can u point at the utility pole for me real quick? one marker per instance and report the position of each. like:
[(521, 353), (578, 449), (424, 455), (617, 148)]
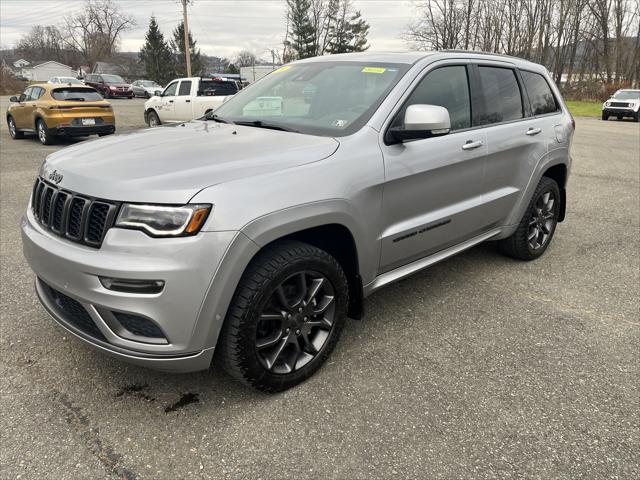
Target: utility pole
[(187, 47)]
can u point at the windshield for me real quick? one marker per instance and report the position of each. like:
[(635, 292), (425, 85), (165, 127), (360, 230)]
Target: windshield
[(148, 83), (319, 98), (76, 94), (112, 79), (627, 95)]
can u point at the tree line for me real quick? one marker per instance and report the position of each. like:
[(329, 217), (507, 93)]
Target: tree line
[(579, 41)]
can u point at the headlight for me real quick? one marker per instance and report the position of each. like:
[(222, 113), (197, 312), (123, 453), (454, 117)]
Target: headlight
[(112, 87), (163, 221), (606, 104)]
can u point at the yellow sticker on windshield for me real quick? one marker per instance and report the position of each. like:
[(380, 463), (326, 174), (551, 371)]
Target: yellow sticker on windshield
[(282, 69), (373, 70)]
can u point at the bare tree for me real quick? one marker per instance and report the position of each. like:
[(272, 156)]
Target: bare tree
[(245, 59), (95, 31)]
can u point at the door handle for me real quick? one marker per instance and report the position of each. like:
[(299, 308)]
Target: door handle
[(470, 145), (170, 101), (534, 131), (187, 101)]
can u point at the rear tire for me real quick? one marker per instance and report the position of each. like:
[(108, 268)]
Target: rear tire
[(42, 131), (13, 130), (285, 317), (537, 225)]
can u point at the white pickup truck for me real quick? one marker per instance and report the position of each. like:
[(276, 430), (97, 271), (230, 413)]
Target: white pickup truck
[(184, 99)]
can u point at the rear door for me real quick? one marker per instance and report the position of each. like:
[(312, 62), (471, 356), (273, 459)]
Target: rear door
[(183, 104), (433, 187), (166, 109), (515, 141)]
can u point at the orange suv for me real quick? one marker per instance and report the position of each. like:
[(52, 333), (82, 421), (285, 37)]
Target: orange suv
[(52, 110)]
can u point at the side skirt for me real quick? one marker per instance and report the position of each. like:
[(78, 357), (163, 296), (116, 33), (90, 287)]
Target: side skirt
[(413, 267)]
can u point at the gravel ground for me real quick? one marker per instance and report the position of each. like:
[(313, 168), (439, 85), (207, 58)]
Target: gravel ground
[(479, 367)]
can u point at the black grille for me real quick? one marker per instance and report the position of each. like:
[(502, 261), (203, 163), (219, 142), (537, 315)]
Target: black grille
[(74, 313), (138, 325), (619, 104), (78, 218)]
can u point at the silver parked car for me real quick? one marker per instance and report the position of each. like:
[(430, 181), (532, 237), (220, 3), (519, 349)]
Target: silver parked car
[(145, 88), (258, 229)]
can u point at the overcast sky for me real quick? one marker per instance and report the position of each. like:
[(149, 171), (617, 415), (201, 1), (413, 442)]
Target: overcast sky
[(221, 27)]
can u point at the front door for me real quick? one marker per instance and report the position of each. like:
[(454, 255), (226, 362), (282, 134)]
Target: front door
[(167, 107), (20, 111), (433, 187)]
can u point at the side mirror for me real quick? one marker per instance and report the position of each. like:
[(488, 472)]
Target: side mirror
[(158, 93), (422, 121), (13, 99)]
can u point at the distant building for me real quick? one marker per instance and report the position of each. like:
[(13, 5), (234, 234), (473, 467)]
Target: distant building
[(21, 63), (42, 72), (256, 72)]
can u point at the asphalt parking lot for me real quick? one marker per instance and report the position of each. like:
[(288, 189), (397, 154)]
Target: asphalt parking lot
[(479, 367)]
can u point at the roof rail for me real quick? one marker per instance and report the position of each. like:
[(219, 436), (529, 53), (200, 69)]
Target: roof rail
[(479, 52)]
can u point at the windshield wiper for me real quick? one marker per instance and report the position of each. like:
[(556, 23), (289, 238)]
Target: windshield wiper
[(271, 126), (216, 118)]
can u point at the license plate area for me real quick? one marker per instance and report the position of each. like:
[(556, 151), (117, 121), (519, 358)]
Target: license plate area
[(88, 121)]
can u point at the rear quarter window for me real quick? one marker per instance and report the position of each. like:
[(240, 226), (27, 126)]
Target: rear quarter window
[(75, 94), (540, 95)]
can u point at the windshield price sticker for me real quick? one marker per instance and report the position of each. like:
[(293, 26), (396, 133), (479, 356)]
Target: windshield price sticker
[(373, 70)]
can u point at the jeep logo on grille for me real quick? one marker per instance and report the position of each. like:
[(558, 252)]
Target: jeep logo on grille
[(55, 177)]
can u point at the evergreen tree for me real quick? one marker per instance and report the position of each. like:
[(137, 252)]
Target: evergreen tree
[(177, 46), (347, 34), (301, 31), (156, 56)]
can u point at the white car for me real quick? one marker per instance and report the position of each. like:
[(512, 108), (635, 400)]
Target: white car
[(66, 80), (623, 103), (145, 88), (187, 98)]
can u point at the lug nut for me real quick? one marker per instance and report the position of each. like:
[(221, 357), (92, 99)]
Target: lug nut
[(289, 315), (297, 332), (300, 309), (286, 331), (306, 319)]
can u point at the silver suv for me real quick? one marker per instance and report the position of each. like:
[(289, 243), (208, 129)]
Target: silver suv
[(256, 230)]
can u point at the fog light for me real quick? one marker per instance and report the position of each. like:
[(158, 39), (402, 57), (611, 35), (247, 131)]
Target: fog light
[(132, 286)]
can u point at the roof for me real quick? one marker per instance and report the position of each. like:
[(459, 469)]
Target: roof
[(50, 61), (49, 86), (378, 57), (410, 58)]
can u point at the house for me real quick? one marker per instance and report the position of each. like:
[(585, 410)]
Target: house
[(21, 63), (42, 72)]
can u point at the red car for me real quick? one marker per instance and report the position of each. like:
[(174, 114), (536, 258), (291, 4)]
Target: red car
[(110, 86)]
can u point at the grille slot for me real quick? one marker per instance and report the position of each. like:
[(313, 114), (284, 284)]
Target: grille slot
[(619, 104), (74, 313), (138, 325), (78, 218)]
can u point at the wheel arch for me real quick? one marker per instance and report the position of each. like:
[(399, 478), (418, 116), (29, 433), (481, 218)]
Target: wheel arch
[(559, 173)]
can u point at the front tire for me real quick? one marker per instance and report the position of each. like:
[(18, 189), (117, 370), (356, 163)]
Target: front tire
[(285, 317), (13, 130), (153, 120), (605, 116), (537, 225), (44, 136)]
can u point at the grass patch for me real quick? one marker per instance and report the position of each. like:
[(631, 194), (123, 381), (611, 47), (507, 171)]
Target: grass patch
[(584, 109)]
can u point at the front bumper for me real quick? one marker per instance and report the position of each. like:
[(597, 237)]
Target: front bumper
[(181, 311), (623, 111)]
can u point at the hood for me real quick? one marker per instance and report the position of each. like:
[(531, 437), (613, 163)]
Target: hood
[(119, 85), (171, 164)]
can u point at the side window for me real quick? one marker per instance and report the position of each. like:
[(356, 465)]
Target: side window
[(26, 95), (170, 91), (447, 87), (503, 101), (540, 94), (37, 93), (185, 88)]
